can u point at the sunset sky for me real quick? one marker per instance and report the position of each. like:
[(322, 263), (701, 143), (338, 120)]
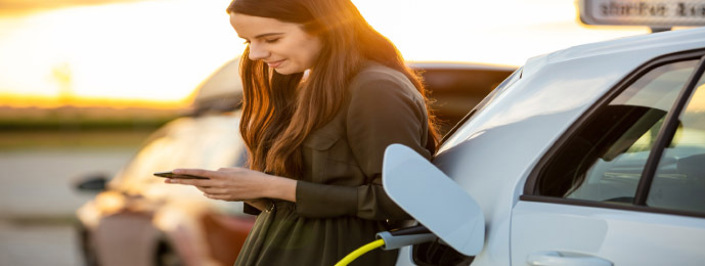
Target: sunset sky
[(155, 52)]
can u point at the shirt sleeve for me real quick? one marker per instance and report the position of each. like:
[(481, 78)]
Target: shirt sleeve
[(381, 112)]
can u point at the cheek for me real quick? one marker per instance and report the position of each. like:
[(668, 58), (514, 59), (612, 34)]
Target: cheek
[(312, 50)]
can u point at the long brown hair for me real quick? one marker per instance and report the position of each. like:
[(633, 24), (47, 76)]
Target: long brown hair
[(280, 111)]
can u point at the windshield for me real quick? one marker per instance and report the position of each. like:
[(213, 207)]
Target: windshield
[(458, 133), (207, 142)]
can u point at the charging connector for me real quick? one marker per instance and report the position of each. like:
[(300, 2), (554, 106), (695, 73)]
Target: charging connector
[(393, 239)]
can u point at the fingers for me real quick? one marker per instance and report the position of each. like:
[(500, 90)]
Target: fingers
[(206, 186), (213, 190), (233, 170), (211, 175), (197, 172), (222, 173), (230, 184), (218, 197), (215, 178), (194, 182)]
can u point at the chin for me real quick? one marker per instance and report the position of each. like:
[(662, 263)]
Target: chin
[(285, 71), (282, 71)]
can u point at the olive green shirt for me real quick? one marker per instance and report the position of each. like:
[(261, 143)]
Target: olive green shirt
[(340, 203)]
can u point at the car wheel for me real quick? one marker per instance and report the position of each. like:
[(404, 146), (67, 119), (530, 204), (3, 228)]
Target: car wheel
[(167, 256), (87, 250)]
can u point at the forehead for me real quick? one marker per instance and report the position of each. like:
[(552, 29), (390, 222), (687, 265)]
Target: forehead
[(248, 26)]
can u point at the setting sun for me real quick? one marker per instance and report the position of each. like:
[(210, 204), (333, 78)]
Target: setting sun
[(156, 52)]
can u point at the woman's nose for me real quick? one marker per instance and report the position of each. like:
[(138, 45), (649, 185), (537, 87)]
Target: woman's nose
[(257, 52)]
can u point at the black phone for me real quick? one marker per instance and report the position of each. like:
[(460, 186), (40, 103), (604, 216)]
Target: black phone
[(169, 174)]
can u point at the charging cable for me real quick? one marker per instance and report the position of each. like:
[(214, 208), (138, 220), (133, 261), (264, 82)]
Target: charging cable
[(392, 239), (360, 251)]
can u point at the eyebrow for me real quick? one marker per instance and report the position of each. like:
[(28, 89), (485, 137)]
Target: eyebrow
[(265, 35), (268, 34)]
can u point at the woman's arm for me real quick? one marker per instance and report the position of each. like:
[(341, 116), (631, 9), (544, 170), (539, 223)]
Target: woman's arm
[(239, 184)]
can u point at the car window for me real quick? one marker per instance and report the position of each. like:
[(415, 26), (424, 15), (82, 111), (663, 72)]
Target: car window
[(679, 183), (605, 157), (207, 142)]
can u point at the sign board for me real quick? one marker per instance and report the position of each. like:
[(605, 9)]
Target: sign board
[(653, 13)]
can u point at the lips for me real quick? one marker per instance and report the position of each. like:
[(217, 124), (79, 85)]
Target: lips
[(275, 64)]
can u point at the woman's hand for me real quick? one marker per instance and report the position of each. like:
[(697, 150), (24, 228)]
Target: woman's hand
[(238, 184)]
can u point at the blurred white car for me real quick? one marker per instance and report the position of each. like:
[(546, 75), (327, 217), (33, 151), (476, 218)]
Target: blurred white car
[(136, 219), (592, 155)]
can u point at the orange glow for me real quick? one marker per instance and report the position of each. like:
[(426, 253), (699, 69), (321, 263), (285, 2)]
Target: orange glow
[(110, 202), (154, 53), (136, 54), (43, 101), (505, 32)]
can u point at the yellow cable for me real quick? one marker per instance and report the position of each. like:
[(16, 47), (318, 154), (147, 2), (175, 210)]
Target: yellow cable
[(360, 251)]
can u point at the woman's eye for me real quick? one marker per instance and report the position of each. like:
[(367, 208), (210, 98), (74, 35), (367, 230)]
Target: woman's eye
[(271, 40)]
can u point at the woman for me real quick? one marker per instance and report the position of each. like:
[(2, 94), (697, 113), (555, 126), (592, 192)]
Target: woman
[(324, 95)]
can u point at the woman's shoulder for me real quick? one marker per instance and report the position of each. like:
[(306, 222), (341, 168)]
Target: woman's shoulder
[(373, 71), (374, 77)]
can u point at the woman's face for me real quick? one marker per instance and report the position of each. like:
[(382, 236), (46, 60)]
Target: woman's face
[(284, 46)]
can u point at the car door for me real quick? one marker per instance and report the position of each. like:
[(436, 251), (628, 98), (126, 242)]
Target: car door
[(625, 185)]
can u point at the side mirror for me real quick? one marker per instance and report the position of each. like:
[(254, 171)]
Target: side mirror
[(93, 183), (433, 199)]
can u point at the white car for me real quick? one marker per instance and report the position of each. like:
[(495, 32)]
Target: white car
[(592, 155)]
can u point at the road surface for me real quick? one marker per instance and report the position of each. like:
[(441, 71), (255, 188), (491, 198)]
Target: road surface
[(37, 201)]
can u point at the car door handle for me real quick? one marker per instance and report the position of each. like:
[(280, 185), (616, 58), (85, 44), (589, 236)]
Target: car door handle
[(563, 258)]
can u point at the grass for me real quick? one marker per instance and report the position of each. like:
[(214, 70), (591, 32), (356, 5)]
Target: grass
[(76, 132), (78, 123), (29, 221), (72, 139)]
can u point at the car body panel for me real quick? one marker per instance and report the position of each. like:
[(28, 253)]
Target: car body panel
[(140, 240), (492, 153), (140, 213), (620, 236)]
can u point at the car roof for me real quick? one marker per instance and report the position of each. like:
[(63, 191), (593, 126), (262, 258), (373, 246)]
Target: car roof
[(568, 81), (641, 48), (224, 80), (459, 65), (221, 91)]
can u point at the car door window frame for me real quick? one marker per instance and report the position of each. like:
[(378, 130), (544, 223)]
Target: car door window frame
[(531, 188), (665, 135)]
